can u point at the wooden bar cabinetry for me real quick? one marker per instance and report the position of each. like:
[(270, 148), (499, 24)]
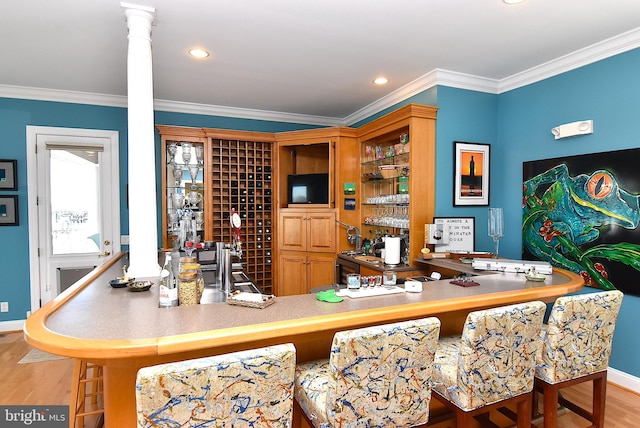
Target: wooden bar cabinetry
[(397, 167), (236, 174), (308, 234)]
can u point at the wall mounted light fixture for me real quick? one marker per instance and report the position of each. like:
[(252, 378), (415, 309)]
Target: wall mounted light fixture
[(572, 129)]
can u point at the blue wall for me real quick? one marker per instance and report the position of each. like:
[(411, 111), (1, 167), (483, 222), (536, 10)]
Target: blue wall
[(607, 92), (517, 124), (17, 114)]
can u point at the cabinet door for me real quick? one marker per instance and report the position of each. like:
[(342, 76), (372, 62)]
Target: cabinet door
[(293, 231), (322, 232), (293, 274), (321, 270)]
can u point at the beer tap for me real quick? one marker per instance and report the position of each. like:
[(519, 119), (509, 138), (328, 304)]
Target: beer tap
[(355, 238), (236, 222)]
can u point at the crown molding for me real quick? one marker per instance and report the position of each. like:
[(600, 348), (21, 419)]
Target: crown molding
[(243, 113), (596, 52), (433, 78), (62, 96)]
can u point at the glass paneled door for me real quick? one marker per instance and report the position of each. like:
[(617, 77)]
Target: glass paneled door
[(78, 206)]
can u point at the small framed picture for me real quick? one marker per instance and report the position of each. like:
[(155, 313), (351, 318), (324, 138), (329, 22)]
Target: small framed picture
[(9, 210), (462, 233), (8, 174), (471, 174)]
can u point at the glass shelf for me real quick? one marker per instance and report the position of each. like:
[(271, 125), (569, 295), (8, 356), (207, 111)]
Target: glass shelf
[(389, 160)]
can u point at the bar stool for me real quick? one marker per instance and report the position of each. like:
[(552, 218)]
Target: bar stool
[(576, 348), (374, 377), (490, 365), (247, 388), (87, 384)]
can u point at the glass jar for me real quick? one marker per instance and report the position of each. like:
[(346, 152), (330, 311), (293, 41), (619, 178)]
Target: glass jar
[(188, 290)]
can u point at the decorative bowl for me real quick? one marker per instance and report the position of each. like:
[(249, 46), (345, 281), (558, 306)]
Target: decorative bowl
[(140, 285), (535, 277), (121, 282)]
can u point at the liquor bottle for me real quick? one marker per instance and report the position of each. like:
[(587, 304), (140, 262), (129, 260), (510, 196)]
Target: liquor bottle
[(168, 289)]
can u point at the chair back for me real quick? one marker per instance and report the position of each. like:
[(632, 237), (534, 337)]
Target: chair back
[(578, 336), (247, 388), (495, 356), (381, 374)]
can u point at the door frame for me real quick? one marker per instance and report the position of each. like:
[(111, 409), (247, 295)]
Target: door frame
[(32, 195)]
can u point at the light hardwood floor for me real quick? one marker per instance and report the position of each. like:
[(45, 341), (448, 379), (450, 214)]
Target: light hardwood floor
[(49, 383)]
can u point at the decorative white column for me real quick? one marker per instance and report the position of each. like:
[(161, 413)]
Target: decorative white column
[(143, 231)]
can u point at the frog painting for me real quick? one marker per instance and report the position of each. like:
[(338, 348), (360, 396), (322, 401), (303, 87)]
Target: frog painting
[(582, 214)]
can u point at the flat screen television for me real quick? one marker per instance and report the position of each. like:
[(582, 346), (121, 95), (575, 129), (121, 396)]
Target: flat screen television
[(308, 188)]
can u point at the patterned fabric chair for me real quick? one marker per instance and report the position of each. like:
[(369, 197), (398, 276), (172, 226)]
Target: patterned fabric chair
[(491, 364), (575, 348), (375, 377), (249, 388)]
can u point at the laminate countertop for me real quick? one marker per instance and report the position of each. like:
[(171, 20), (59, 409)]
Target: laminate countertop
[(125, 330)]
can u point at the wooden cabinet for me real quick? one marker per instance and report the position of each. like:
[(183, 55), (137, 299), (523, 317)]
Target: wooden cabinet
[(300, 271), (248, 172), (231, 170), (312, 231), (397, 166), (307, 250), (308, 235)]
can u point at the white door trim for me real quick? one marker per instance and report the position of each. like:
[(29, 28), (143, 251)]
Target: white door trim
[(32, 192)]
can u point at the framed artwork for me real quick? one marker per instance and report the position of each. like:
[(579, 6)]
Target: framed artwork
[(582, 213), (462, 233), (8, 174), (9, 210), (471, 173)]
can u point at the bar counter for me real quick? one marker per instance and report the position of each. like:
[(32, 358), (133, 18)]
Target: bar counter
[(124, 330)]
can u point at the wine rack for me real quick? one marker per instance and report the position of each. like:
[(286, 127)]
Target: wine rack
[(241, 180)]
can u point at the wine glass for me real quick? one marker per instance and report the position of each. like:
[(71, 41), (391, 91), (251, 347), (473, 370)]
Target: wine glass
[(199, 154), (496, 227), (172, 149), (186, 152), (177, 174), (193, 172)]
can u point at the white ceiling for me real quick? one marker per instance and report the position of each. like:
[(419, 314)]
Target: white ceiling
[(314, 58)]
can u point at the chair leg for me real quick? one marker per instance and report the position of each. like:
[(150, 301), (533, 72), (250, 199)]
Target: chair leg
[(524, 412), (550, 406), (552, 399), (599, 399), (85, 373)]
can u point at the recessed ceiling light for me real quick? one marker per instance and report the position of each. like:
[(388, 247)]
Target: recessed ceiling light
[(198, 53), (381, 81), (513, 1)]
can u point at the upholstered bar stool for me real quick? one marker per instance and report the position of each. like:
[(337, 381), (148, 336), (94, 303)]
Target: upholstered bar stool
[(490, 365), (251, 388), (576, 347), (374, 377)]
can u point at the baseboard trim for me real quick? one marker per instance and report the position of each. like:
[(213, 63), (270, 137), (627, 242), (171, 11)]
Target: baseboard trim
[(623, 380), (11, 326)]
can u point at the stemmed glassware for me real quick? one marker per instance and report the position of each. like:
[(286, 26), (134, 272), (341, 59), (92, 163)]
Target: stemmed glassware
[(172, 149), (177, 174), (193, 172), (173, 218), (186, 152), (496, 227), (199, 154)]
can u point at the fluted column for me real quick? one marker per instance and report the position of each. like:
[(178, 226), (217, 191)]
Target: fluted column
[(143, 231)]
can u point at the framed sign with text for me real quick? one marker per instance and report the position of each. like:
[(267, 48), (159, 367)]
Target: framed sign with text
[(462, 235)]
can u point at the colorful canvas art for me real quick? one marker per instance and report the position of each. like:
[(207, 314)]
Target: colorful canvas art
[(581, 213)]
